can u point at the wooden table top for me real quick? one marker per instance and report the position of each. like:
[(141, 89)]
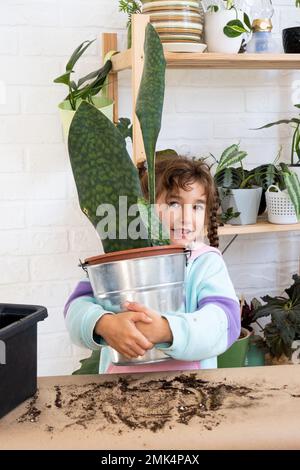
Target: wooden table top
[(247, 408)]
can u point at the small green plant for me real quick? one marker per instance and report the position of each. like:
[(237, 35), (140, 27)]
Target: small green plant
[(229, 177), (233, 28), (228, 215), (284, 327), (87, 87), (295, 123), (131, 7)]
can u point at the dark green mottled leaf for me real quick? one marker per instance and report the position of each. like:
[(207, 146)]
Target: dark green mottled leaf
[(103, 171)]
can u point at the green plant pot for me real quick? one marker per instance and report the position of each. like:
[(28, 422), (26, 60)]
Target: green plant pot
[(105, 105), (235, 356)]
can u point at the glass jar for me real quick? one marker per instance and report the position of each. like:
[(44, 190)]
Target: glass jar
[(179, 21)]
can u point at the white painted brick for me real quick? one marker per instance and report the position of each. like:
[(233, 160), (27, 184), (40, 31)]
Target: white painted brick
[(289, 17), (243, 126), (49, 294), (83, 239), (262, 251), (47, 158), (57, 367), (54, 323), (55, 267), (207, 100), (11, 159), (42, 100), (29, 70), (30, 242), (9, 41), (54, 345), (12, 215), (92, 13), (14, 269), (271, 100), (32, 186), (60, 42), (40, 14), (179, 78), (188, 127), (11, 104), (54, 214), (30, 129)]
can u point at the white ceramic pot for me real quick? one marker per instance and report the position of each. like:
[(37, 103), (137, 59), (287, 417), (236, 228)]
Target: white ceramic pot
[(215, 38)]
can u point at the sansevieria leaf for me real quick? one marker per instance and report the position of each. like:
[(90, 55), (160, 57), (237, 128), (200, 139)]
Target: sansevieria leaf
[(103, 172), (150, 100), (292, 184)]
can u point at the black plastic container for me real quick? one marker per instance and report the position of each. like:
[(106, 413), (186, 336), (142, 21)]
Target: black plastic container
[(291, 40), (18, 353)]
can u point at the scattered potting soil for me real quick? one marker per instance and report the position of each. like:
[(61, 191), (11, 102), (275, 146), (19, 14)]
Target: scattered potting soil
[(134, 404), (32, 413)]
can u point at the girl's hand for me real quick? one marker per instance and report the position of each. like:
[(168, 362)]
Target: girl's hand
[(158, 331), (121, 333)]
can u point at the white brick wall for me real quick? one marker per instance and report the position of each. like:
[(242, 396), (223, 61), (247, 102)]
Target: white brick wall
[(43, 232)]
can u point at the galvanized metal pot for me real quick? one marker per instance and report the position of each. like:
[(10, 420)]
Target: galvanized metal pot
[(152, 276)]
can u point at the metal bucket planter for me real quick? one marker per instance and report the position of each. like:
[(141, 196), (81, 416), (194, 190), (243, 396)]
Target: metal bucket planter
[(152, 276), (104, 104), (245, 201)]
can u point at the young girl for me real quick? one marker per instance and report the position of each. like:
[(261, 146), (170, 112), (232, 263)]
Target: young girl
[(186, 197)]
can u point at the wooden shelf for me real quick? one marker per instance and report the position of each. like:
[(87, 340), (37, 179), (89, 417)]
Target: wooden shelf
[(123, 61), (260, 227)]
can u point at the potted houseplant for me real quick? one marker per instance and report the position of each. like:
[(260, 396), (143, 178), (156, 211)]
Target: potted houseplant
[(236, 189), (283, 198), (282, 333), (131, 7), (87, 88), (291, 37), (295, 145), (105, 175), (225, 26)]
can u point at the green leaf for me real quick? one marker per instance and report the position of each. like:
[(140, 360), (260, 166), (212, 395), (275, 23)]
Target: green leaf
[(166, 153), (150, 100), (292, 184), (89, 366), (103, 171), (158, 234), (64, 79), (124, 126), (77, 54), (247, 21), (282, 121), (230, 156), (234, 28)]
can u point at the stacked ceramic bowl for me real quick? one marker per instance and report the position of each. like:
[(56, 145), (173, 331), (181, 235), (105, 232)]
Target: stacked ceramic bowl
[(176, 21)]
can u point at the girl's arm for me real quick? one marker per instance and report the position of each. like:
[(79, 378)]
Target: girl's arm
[(88, 328), (82, 312), (216, 324), (211, 328)]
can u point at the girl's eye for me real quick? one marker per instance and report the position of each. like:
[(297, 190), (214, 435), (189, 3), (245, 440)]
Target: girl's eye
[(199, 207), (174, 204)]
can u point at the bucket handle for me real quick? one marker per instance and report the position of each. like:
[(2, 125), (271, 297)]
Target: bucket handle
[(188, 253), (275, 187), (83, 266), (2, 353)]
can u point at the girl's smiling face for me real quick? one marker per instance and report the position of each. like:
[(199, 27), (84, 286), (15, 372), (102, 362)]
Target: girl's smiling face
[(182, 212)]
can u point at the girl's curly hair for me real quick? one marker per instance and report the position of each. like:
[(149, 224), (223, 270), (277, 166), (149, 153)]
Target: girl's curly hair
[(178, 172)]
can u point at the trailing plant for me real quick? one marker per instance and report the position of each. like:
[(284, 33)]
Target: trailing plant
[(233, 28), (88, 86), (284, 327), (295, 123)]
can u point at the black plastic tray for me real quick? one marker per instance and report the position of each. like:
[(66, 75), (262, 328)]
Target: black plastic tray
[(18, 353)]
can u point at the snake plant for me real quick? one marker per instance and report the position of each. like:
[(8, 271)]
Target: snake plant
[(102, 167)]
